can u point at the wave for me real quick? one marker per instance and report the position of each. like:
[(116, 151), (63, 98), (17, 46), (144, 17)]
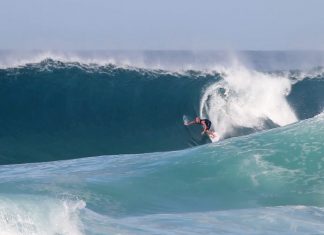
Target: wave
[(263, 177), (59, 110)]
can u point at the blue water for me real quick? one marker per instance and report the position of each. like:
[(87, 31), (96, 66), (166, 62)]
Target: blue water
[(103, 150)]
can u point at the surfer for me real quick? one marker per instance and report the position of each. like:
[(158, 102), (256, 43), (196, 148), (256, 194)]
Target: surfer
[(206, 124)]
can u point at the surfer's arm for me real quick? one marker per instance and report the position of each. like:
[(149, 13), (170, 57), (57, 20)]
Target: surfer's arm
[(190, 123)]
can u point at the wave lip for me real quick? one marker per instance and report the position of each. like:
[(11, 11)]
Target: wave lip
[(172, 60)]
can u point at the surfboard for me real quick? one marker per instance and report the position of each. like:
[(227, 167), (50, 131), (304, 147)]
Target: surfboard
[(213, 137)]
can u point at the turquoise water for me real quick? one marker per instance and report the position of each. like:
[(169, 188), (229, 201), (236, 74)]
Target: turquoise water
[(271, 181), (79, 175)]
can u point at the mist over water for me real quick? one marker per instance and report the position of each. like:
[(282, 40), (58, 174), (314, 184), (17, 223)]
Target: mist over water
[(173, 60)]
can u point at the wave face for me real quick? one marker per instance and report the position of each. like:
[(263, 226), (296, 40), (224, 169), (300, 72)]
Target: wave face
[(244, 185), (55, 110)]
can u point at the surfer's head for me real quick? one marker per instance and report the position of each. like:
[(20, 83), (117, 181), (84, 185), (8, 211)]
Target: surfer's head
[(197, 120)]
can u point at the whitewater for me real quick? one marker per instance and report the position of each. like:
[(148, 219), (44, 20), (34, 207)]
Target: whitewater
[(94, 143)]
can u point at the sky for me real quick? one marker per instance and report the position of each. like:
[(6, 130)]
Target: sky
[(162, 24)]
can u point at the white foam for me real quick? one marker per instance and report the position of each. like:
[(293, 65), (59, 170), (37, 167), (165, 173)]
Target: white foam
[(246, 98), (24, 215)]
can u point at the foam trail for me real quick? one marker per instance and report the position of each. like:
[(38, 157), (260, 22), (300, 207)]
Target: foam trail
[(275, 220), (247, 98)]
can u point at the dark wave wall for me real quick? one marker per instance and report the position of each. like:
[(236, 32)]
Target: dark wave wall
[(53, 111)]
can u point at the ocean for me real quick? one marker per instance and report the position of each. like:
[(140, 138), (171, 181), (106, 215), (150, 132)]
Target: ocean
[(93, 142)]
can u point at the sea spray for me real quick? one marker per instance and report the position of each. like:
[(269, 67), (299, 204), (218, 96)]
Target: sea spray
[(247, 99)]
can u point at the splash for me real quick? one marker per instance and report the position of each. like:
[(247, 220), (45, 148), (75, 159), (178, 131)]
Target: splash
[(248, 99)]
